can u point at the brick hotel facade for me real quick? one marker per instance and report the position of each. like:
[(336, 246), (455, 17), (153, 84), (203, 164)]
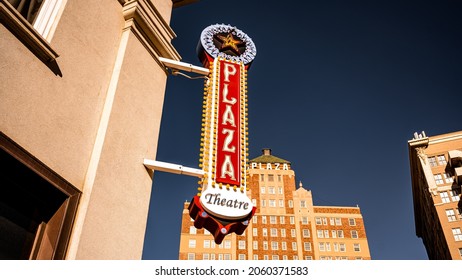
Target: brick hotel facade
[(286, 226), (436, 172)]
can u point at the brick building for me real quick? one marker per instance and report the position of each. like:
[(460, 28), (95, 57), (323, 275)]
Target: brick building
[(436, 171), (286, 226)]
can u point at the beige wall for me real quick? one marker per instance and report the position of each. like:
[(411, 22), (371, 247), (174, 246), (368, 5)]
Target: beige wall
[(56, 118), (96, 124)]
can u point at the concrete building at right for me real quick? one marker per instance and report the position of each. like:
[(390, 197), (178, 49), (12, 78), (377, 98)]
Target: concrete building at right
[(436, 176)]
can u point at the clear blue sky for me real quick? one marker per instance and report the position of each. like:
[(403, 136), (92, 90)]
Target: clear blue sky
[(337, 88)]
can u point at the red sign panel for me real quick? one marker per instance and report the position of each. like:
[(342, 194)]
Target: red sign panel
[(228, 154)]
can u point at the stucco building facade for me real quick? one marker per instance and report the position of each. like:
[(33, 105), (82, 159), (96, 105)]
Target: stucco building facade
[(81, 98)]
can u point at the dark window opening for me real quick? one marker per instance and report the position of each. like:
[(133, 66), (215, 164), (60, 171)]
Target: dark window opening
[(37, 207)]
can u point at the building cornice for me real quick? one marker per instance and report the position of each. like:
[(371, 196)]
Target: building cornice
[(148, 25)]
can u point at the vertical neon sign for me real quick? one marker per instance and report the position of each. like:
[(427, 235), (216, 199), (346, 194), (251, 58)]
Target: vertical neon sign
[(222, 205)]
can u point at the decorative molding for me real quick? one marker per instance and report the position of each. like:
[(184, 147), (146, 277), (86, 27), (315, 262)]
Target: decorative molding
[(145, 21), (30, 37), (421, 154)]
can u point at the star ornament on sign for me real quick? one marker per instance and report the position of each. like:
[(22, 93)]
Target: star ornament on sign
[(230, 43)]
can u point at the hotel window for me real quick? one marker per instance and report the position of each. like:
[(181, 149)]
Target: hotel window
[(320, 233), (284, 257), (340, 233), (192, 230), (262, 177), (274, 246), (255, 245), (265, 232), (332, 221), (328, 246), (441, 160), (342, 247), (205, 257), (304, 220), (227, 244), (293, 233), (352, 222), (302, 203), (206, 243), (334, 233), (448, 178), (291, 204), (356, 247), (324, 221), (444, 197), (307, 246), (254, 202), (191, 256), (284, 245), (295, 258), (265, 257), (306, 233), (265, 245), (280, 190), (263, 203), (354, 234), (282, 220), (213, 245), (263, 219), (438, 179), (212, 257), (338, 221), (318, 220), (262, 189), (336, 247), (281, 203), (326, 233), (292, 220), (273, 220), (241, 245), (274, 232), (275, 257), (272, 203), (270, 178), (308, 258), (241, 257), (283, 232), (322, 248), (271, 190), (192, 243), (457, 234), (451, 215), (254, 232), (432, 161), (279, 178), (255, 219), (455, 195), (227, 257), (294, 246), (255, 257)]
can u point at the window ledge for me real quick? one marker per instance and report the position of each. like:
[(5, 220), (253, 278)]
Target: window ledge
[(24, 31)]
